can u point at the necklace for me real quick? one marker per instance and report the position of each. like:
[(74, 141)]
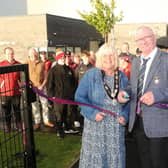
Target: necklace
[(112, 94)]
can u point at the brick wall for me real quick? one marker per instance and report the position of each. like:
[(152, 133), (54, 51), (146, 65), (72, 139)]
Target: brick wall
[(22, 32), (126, 33)]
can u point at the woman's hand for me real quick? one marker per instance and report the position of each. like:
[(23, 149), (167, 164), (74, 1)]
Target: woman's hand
[(100, 116), (121, 120), (123, 97)]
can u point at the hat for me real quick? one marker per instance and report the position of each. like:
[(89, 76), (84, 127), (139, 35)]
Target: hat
[(162, 42), (59, 54)]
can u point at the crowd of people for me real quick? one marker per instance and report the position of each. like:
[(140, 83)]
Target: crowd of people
[(56, 79), (129, 85)]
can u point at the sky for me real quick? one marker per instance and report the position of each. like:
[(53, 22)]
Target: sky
[(135, 11)]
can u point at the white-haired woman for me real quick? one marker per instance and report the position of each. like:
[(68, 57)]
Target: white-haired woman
[(103, 143)]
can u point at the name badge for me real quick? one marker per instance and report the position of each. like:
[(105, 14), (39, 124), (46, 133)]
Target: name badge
[(156, 80)]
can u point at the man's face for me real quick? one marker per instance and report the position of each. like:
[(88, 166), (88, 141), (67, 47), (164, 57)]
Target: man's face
[(145, 40), (33, 54), (9, 53), (61, 61)]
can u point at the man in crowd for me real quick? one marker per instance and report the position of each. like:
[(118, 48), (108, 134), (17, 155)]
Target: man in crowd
[(10, 92), (162, 43), (38, 77), (125, 51), (61, 83)]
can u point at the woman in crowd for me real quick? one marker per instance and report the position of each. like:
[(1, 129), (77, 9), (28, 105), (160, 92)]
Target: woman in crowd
[(103, 143)]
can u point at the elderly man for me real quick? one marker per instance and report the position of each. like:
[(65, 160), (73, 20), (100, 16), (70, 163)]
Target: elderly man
[(38, 77), (148, 85)]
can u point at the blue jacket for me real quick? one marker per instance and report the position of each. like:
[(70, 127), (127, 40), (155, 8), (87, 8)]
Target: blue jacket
[(91, 91)]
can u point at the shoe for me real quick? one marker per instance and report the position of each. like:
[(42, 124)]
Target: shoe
[(71, 131), (60, 130), (48, 124), (36, 127)]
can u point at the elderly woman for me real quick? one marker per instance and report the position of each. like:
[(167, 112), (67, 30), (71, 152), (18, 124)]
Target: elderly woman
[(103, 143)]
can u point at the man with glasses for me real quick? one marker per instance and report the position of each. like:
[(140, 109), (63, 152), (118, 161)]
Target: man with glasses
[(148, 86)]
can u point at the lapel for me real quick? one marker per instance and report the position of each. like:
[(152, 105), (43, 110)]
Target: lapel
[(136, 71), (153, 69)]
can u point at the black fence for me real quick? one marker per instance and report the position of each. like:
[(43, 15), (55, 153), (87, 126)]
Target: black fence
[(17, 149)]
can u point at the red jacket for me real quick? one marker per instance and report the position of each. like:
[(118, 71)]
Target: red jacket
[(47, 65), (9, 82), (127, 70)]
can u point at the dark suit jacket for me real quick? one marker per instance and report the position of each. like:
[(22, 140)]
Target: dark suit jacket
[(155, 119)]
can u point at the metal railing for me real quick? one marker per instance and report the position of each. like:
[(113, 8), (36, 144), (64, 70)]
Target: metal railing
[(17, 148)]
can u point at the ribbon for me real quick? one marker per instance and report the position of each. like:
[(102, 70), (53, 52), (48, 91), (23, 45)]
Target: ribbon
[(64, 101), (162, 105)]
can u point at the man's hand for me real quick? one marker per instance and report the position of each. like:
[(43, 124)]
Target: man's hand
[(147, 98)]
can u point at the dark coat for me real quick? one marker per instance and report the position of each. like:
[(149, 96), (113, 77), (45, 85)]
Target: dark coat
[(81, 69), (61, 82)]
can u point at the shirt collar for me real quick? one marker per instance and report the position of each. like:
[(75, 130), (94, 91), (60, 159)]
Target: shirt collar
[(151, 55)]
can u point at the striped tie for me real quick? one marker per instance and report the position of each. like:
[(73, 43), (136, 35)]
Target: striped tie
[(140, 85), (141, 78)]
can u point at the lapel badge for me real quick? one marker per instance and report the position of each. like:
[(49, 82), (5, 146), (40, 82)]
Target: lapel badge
[(156, 80)]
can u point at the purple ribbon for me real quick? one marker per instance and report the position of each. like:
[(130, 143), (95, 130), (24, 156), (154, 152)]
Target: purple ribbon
[(162, 105), (64, 101)]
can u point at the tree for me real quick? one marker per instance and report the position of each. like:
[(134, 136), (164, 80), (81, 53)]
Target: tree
[(102, 17)]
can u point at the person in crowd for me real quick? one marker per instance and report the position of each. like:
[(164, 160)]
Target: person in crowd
[(118, 51), (148, 85), (57, 51), (38, 77), (162, 43), (125, 65), (61, 83), (138, 52), (72, 63), (92, 57), (9, 91), (103, 140), (47, 62), (82, 68), (77, 60), (125, 51)]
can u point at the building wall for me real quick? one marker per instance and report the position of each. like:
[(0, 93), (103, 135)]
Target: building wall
[(126, 33), (21, 33)]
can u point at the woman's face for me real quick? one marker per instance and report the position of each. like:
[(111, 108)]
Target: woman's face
[(108, 62)]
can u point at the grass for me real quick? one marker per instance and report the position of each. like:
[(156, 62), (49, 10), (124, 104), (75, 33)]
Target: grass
[(55, 152)]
